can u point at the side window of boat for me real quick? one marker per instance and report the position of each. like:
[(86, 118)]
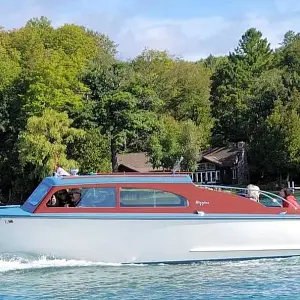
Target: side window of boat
[(84, 197), (132, 197), (98, 197)]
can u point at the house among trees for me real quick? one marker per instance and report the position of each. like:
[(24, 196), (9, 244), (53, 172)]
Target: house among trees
[(222, 165)]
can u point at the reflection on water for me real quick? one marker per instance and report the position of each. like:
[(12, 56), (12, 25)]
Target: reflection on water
[(25, 277)]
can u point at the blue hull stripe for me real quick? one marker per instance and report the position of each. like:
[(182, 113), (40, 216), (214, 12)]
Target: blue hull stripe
[(17, 212)]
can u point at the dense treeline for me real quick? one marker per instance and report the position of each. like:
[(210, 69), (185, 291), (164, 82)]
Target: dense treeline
[(66, 100)]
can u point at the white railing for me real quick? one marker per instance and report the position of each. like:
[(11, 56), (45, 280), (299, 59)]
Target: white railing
[(206, 176), (271, 196)]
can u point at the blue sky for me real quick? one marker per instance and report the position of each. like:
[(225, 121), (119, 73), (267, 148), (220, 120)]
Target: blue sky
[(188, 28)]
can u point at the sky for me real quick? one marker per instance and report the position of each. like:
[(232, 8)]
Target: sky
[(191, 29)]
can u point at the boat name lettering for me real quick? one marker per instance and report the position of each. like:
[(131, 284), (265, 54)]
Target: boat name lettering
[(201, 203)]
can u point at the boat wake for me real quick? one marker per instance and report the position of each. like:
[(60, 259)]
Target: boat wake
[(23, 262), (9, 262)]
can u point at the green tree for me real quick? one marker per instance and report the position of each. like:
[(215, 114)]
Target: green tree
[(192, 139), (53, 61), (177, 139), (265, 91), (273, 108), (290, 37), (157, 67), (193, 93), (164, 147), (10, 70), (41, 67), (123, 106), (213, 62), (290, 62), (183, 87), (92, 152), (232, 84), (277, 147), (43, 144)]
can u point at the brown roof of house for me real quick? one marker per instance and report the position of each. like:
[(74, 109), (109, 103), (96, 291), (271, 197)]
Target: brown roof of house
[(138, 162), (225, 156)]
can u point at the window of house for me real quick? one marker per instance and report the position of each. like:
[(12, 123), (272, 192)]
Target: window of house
[(203, 177), (211, 167), (208, 175), (234, 173), (213, 176), (206, 166), (84, 197), (201, 167), (131, 197)]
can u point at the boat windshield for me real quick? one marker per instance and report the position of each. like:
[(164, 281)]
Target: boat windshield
[(267, 199), (38, 194)]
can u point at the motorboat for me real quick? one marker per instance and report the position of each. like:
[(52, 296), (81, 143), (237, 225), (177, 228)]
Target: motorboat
[(148, 218)]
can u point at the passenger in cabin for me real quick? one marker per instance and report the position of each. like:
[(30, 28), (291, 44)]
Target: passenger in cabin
[(253, 192), (74, 198), (291, 201), (54, 202), (63, 197)]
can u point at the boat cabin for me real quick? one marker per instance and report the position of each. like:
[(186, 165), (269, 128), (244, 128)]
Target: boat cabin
[(143, 193)]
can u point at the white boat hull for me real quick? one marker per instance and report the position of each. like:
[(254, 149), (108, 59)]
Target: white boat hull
[(152, 240)]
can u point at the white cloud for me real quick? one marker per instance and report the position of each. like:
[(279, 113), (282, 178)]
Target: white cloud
[(198, 38), (275, 28), (181, 37), (189, 38)]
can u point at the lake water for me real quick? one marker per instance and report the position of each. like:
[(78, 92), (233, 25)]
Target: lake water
[(25, 277)]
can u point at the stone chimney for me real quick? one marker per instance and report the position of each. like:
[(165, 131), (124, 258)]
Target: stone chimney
[(242, 166)]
